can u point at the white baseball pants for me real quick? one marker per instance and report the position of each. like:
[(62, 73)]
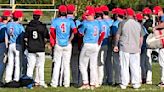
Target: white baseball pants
[(62, 55), (38, 60), (2, 62), (116, 68), (133, 61), (101, 60), (149, 66), (89, 55), (161, 63), (13, 60)]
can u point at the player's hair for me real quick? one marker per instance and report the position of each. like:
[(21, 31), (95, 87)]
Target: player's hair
[(69, 12), (114, 17), (148, 15), (99, 15), (106, 13), (36, 17), (4, 18), (62, 14), (120, 16), (15, 19), (140, 21)]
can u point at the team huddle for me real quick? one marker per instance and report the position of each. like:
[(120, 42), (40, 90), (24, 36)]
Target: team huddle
[(96, 50)]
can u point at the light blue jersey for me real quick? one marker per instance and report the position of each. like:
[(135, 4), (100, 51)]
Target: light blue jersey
[(106, 28), (63, 28), (15, 32), (91, 31), (114, 27)]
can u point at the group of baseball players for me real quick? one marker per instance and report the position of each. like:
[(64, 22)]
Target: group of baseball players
[(96, 50)]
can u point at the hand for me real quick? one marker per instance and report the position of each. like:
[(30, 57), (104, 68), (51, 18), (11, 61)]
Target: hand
[(154, 29), (116, 49)]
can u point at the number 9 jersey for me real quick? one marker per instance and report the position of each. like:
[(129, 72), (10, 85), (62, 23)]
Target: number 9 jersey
[(36, 33)]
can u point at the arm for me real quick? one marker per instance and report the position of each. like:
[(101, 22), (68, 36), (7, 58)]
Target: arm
[(73, 34), (161, 25), (52, 36), (101, 38), (74, 31), (117, 38)]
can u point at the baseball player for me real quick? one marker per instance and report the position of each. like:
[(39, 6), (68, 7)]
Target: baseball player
[(91, 31), (146, 60), (36, 35), (61, 33), (108, 62), (104, 45), (15, 33), (3, 41), (129, 36), (75, 51), (158, 11), (116, 62)]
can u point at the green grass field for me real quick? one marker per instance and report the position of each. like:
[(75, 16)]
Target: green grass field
[(144, 88)]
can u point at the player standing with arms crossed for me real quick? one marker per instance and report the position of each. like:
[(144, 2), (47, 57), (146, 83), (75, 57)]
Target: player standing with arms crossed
[(15, 32), (60, 31), (36, 35), (91, 31), (3, 41)]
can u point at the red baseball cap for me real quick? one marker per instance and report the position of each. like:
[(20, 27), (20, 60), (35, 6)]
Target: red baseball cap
[(62, 8), (120, 11), (156, 9), (71, 7), (114, 11), (98, 10), (89, 7), (38, 12), (6, 13), (104, 8), (139, 16), (147, 11), (90, 11), (18, 14), (130, 12)]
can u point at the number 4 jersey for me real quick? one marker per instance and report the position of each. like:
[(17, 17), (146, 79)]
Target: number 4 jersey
[(63, 28), (36, 33)]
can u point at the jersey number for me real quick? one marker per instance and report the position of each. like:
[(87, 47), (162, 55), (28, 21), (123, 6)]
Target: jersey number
[(34, 34), (62, 27), (11, 31), (95, 31)]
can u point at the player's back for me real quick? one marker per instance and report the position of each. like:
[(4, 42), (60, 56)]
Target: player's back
[(105, 27), (36, 32), (91, 31), (62, 27), (15, 32)]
